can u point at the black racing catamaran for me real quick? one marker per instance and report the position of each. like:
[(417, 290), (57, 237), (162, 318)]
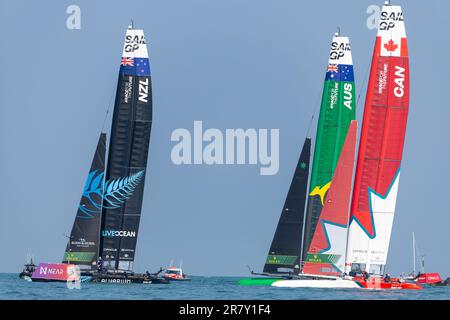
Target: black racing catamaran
[(283, 259), (285, 250), (103, 239)]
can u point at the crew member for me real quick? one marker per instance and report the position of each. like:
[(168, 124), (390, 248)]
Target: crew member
[(365, 275), (100, 264)]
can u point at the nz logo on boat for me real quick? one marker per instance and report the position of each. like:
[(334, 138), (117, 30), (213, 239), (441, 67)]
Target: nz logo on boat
[(111, 194), (143, 90)]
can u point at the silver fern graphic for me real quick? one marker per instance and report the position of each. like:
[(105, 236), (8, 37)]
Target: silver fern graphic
[(93, 193), (116, 191)]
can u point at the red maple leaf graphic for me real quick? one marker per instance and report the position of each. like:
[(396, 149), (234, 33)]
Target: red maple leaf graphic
[(390, 45)]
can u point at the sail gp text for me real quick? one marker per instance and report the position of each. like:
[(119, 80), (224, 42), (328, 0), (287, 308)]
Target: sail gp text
[(225, 310), (232, 147)]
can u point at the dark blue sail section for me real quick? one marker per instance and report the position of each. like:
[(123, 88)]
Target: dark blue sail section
[(83, 245), (127, 157), (285, 251)]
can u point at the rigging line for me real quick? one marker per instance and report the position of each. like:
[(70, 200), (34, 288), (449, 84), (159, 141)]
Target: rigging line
[(310, 124), (318, 103), (109, 106), (363, 84)]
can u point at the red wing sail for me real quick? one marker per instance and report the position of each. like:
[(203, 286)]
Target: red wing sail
[(381, 146)]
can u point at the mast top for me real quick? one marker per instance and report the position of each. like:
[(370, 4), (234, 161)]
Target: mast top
[(387, 2), (131, 26), (338, 33)]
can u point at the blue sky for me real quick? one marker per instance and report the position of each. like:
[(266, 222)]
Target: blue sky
[(231, 64)]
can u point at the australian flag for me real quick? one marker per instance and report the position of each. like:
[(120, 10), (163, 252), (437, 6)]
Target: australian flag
[(332, 72), (346, 72), (142, 66), (341, 72)]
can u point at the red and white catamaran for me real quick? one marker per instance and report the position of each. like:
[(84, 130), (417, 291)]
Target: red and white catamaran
[(350, 243)]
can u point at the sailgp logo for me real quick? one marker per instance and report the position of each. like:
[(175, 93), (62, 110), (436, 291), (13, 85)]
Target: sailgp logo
[(116, 233)]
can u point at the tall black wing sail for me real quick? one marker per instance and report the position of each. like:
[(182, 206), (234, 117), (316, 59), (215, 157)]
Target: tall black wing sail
[(127, 158), (285, 250), (83, 245)]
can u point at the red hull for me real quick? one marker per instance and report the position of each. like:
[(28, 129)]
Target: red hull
[(429, 278), (379, 283)]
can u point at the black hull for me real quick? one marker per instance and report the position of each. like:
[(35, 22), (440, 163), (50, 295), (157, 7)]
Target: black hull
[(46, 280), (24, 275), (128, 279), (106, 278)]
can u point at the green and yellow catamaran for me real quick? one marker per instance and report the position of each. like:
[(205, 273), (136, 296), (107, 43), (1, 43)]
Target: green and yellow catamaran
[(337, 110)]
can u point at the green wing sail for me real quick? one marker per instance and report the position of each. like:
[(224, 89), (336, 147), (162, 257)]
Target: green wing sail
[(336, 111)]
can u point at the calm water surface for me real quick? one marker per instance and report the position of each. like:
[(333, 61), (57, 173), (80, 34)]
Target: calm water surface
[(201, 288)]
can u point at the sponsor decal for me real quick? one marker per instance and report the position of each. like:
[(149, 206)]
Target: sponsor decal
[(82, 243), (127, 90), (334, 95), (79, 256), (56, 271), (44, 270), (281, 259), (322, 258), (429, 278), (118, 233), (382, 79), (115, 281)]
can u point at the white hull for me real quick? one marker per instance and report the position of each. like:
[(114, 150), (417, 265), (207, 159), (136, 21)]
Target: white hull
[(338, 283)]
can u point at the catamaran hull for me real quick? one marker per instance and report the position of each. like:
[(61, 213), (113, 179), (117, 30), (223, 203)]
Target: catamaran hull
[(342, 284), (339, 283), (140, 279), (330, 283)]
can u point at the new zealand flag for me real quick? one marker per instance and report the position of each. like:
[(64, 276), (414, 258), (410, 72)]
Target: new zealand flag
[(135, 66)]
